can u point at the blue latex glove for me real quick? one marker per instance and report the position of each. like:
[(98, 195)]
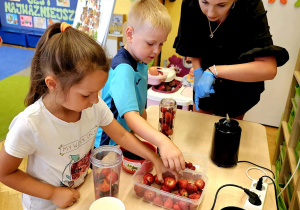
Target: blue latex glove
[(204, 87), (197, 74)]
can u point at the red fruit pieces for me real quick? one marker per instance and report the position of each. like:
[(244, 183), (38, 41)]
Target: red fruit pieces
[(105, 171), (165, 188), (200, 184), (183, 205), (169, 132), (149, 177), (139, 190), (149, 195), (156, 180), (176, 206), (170, 182), (191, 188), (158, 200), (183, 192), (194, 196), (168, 117), (146, 182), (163, 109), (104, 185), (182, 183), (168, 203), (112, 177)]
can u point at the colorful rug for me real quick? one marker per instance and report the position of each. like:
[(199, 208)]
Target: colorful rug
[(13, 90), (13, 60)]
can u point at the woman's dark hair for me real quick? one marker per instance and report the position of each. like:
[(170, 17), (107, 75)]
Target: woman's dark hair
[(68, 55)]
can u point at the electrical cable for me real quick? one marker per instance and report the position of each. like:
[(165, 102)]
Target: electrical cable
[(253, 197), (244, 161), (259, 183), (289, 179), (257, 169)]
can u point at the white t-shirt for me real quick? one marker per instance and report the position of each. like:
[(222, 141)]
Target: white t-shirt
[(58, 152)]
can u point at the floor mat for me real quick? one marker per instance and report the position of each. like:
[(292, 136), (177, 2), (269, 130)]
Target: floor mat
[(13, 60), (12, 94)]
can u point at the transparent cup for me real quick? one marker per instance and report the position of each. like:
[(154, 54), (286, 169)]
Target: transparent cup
[(106, 161), (167, 111)]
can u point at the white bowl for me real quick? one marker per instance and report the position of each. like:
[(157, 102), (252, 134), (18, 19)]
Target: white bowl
[(107, 203)]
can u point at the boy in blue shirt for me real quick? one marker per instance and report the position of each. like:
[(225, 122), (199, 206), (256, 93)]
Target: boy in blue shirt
[(125, 91)]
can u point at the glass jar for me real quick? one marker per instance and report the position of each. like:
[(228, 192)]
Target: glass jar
[(167, 111)]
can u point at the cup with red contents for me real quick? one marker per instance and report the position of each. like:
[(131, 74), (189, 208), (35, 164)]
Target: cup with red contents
[(167, 111), (106, 161)]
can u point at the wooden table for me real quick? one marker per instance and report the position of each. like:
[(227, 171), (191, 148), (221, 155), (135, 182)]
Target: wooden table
[(193, 134)]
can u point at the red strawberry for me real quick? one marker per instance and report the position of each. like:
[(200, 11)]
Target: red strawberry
[(163, 109), (168, 203), (156, 180), (165, 188), (191, 188), (149, 177), (112, 177), (158, 200), (183, 192), (146, 182), (104, 185), (183, 205), (194, 196), (165, 127), (182, 183), (168, 117), (200, 183), (177, 193), (193, 168), (139, 190), (189, 165), (176, 206), (149, 195), (169, 132), (170, 182), (105, 171)]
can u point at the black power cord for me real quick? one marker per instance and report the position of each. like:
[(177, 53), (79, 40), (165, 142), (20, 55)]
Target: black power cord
[(259, 187), (253, 197)]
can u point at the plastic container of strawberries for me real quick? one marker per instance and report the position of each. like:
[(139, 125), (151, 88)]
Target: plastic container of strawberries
[(199, 161)]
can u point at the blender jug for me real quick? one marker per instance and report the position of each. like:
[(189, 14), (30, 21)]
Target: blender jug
[(226, 142)]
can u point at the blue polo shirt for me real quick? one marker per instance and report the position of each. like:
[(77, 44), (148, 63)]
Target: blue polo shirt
[(124, 91)]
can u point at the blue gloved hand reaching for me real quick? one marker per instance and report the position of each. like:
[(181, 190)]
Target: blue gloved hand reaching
[(197, 74), (204, 87)]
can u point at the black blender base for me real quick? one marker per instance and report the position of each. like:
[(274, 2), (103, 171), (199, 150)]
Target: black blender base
[(224, 165)]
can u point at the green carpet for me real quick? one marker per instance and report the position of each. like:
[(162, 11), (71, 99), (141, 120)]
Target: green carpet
[(13, 90)]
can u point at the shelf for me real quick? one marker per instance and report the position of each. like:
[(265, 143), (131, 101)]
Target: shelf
[(297, 75), (286, 132), (294, 104), (293, 164)]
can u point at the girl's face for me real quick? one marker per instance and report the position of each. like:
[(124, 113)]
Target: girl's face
[(216, 10), (85, 93), (146, 43)]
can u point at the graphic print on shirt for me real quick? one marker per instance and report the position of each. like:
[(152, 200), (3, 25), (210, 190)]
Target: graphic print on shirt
[(75, 169), (79, 163)]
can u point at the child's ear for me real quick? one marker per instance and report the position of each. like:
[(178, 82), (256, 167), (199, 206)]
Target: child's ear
[(129, 33), (51, 83)]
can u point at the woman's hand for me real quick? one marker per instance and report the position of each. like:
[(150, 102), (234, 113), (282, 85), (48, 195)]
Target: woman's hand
[(171, 155), (204, 86), (197, 74), (64, 197)]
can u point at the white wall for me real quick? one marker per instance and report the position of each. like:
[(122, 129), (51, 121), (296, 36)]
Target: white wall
[(285, 28)]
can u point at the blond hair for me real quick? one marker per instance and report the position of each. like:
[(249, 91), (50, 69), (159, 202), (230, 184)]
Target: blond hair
[(149, 12)]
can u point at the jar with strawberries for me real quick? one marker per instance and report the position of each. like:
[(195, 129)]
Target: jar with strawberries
[(167, 111)]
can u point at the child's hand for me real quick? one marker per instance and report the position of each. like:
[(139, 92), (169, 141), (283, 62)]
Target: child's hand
[(171, 155), (64, 197), (162, 171)]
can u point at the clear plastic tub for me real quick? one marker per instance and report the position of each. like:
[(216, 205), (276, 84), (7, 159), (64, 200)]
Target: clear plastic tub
[(200, 163)]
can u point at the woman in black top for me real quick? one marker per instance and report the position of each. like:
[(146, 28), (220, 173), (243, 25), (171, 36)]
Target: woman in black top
[(230, 40)]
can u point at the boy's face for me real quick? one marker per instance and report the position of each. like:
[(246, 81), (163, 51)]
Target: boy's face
[(146, 42)]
